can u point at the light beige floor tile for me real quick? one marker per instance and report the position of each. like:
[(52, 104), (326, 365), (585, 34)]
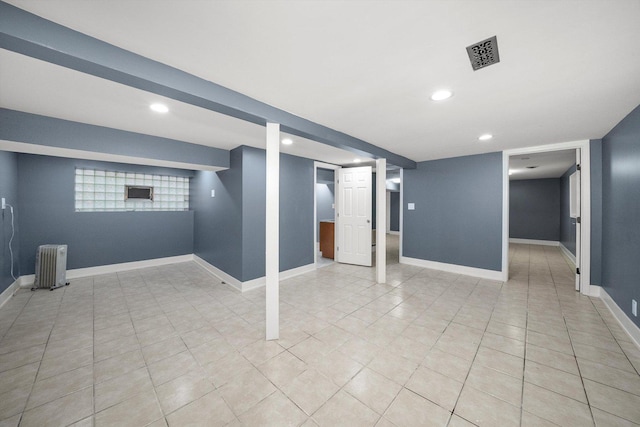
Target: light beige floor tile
[(373, 389), (63, 411), (14, 401), (436, 387), (282, 368), (483, 409), (223, 370), (138, 410), (499, 361), (497, 384), (115, 390), (605, 357), (360, 350), (344, 410), (605, 419), (555, 380), (74, 359), (530, 420), (612, 377), (182, 391), (163, 349), (555, 407), (457, 421), (506, 330), (612, 400), (410, 409), (245, 390), (275, 410), (394, 367), (61, 385), (172, 367), (310, 390), (115, 347), (554, 359), (261, 351), (18, 377), (337, 367), (118, 365), (11, 422), (447, 364), (503, 344), (208, 411), (211, 351), (21, 357)]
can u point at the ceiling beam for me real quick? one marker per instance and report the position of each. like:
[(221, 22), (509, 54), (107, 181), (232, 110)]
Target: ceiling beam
[(31, 35)]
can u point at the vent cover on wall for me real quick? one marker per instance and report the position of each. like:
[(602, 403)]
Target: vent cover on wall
[(484, 53)]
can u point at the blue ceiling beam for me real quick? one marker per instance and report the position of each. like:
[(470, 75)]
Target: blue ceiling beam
[(31, 35)]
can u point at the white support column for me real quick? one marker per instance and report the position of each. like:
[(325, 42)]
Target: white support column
[(272, 243), (381, 220)]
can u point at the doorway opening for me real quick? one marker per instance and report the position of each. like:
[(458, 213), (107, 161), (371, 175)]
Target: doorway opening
[(538, 212)]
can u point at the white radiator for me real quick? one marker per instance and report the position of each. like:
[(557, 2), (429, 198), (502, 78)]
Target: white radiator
[(51, 267)]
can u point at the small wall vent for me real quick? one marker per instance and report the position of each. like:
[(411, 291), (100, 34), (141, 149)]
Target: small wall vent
[(484, 53)]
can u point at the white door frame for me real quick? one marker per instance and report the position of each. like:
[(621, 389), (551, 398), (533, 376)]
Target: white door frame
[(316, 166), (585, 190)]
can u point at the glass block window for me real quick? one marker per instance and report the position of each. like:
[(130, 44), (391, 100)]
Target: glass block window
[(104, 191)]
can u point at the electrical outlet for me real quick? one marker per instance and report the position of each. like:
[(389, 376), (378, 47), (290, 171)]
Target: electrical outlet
[(4, 203), (634, 307)]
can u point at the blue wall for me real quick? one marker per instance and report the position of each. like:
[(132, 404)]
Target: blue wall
[(218, 220), (230, 228), (567, 224), (394, 211), (620, 212), (596, 211), (47, 215), (458, 216), (8, 190), (534, 209)]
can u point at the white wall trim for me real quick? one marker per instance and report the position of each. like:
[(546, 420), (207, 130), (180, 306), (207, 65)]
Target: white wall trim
[(585, 190), (534, 242), (26, 281), (395, 233), (626, 323), (254, 283), (215, 271), (568, 254), (453, 268), (9, 292)]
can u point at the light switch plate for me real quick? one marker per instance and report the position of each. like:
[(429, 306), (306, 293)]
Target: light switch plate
[(411, 206), (213, 193)]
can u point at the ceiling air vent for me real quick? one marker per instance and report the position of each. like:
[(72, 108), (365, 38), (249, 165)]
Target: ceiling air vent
[(484, 53)]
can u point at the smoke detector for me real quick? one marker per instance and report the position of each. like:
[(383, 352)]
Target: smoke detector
[(484, 53)]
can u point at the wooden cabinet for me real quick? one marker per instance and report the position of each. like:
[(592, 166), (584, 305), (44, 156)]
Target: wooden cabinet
[(327, 233)]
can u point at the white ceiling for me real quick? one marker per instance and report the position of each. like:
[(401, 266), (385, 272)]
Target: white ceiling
[(551, 164), (569, 69)]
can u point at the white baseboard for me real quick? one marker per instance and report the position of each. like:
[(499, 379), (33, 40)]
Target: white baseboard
[(454, 268), (250, 284), (535, 242), (626, 323), (395, 233), (568, 253), (26, 281), (8, 293)]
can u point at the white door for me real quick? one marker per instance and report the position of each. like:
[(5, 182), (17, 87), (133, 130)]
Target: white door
[(354, 216)]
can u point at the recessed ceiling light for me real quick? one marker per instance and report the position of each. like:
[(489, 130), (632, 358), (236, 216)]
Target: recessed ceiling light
[(287, 141), (441, 95), (159, 108), (485, 137), (356, 160), (510, 173)]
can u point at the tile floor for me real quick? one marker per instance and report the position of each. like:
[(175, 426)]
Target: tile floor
[(173, 346)]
